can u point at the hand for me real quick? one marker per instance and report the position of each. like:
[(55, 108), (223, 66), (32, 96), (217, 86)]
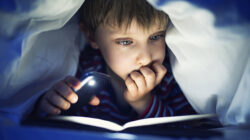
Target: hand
[(61, 96), (139, 85)]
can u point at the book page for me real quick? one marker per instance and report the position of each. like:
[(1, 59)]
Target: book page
[(91, 121), (161, 120)]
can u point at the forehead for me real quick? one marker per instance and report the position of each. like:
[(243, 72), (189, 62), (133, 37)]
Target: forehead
[(133, 28)]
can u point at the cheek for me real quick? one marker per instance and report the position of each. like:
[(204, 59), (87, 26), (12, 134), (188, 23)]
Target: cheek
[(159, 51), (118, 62), (163, 53)]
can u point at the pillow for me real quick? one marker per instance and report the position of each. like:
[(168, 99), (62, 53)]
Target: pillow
[(210, 56)]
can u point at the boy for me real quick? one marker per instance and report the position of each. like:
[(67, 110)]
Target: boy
[(127, 41)]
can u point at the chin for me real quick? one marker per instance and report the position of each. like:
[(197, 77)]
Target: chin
[(125, 76)]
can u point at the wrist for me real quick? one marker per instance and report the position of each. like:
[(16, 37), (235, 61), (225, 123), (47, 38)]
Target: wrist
[(140, 105)]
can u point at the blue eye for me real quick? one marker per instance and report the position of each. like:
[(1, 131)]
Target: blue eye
[(124, 42), (156, 37)]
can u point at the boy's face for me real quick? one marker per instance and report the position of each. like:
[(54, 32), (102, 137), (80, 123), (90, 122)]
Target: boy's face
[(126, 51)]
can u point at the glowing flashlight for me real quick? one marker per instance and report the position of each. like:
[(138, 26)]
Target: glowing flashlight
[(92, 82)]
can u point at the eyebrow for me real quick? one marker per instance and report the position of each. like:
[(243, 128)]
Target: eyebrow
[(158, 32)]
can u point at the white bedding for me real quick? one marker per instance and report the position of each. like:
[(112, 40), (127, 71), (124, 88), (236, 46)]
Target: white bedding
[(211, 60)]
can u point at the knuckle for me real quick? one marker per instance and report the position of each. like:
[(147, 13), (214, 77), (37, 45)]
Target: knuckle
[(138, 76), (58, 101), (53, 97), (62, 88), (151, 74), (72, 80), (140, 79), (129, 81), (57, 85), (132, 88), (135, 75)]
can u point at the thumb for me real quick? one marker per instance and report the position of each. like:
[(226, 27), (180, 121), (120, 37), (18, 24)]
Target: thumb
[(94, 101)]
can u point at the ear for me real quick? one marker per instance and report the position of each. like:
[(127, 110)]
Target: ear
[(89, 37)]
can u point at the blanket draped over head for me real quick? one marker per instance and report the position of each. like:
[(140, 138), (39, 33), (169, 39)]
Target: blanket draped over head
[(208, 43)]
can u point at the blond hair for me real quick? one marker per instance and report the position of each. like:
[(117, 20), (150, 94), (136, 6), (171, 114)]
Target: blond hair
[(119, 13)]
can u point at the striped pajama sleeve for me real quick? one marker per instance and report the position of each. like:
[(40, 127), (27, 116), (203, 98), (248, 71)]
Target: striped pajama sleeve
[(156, 108)]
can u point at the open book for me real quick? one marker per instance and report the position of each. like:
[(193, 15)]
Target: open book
[(142, 122)]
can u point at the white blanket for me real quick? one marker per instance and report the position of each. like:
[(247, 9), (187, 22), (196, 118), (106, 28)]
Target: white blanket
[(211, 57), (40, 45)]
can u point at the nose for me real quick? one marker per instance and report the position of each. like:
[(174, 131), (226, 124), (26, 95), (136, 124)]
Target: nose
[(144, 57)]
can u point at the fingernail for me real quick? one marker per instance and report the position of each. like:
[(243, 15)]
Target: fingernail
[(75, 98)]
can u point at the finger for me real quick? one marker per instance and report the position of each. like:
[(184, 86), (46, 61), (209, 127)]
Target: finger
[(149, 76), (160, 71), (47, 107), (131, 86), (139, 81), (94, 101), (131, 93), (65, 91), (58, 101), (73, 82)]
